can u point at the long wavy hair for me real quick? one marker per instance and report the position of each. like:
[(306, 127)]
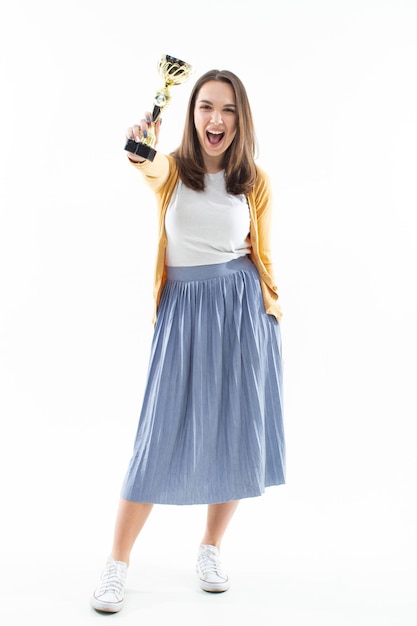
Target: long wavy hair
[(239, 158)]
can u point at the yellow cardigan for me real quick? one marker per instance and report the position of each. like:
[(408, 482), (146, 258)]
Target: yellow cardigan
[(162, 176)]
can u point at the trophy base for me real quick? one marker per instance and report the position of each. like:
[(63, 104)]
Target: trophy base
[(140, 149)]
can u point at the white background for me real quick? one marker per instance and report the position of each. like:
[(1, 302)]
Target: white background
[(334, 96)]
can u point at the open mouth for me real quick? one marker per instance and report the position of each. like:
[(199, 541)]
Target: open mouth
[(214, 137)]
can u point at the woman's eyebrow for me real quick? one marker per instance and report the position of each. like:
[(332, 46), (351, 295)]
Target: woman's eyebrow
[(226, 105)]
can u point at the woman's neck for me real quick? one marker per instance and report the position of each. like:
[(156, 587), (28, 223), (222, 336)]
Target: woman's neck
[(213, 164)]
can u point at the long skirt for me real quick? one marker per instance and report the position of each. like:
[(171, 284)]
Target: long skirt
[(211, 425)]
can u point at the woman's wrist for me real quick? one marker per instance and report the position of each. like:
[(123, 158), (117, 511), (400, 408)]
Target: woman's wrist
[(133, 158)]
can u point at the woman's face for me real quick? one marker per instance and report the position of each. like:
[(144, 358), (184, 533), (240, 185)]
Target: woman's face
[(215, 119)]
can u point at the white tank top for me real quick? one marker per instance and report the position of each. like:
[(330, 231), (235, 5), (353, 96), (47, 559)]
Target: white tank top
[(206, 227)]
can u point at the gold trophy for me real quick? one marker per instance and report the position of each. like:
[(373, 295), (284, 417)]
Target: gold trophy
[(173, 72)]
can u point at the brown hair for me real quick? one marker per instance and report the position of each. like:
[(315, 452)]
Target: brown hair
[(239, 158)]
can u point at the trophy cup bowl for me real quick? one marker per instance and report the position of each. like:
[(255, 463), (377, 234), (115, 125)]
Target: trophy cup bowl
[(173, 72)]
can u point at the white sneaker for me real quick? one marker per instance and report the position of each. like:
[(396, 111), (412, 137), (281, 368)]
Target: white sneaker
[(209, 569), (109, 595)]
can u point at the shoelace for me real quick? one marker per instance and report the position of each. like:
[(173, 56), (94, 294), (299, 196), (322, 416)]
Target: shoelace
[(112, 580), (209, 563)]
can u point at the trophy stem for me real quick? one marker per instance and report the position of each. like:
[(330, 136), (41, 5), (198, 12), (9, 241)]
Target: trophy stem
[(156, 113)]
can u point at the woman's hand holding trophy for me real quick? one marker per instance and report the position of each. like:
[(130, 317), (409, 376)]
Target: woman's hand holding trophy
[(143, 137)]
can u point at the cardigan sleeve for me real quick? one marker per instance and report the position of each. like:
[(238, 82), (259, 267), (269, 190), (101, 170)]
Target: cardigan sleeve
[(155, 172), (263, 204)]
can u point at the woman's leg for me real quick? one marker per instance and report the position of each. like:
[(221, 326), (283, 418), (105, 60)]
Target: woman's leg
[(109, 595), (212, 576), (218, 518), (130, 520)]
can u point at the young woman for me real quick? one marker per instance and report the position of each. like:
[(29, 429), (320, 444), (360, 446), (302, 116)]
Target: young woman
[(211, 426)]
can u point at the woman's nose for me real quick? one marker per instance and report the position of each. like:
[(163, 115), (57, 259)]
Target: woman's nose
[(216, 117)]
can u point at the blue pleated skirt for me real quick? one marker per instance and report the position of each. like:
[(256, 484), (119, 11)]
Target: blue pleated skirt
[(211, 425)]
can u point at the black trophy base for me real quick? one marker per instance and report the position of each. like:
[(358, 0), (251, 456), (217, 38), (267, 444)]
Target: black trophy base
[(140, 149)]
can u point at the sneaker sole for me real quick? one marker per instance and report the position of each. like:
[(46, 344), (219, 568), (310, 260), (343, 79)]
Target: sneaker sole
[(106, 607), (214, 587)]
